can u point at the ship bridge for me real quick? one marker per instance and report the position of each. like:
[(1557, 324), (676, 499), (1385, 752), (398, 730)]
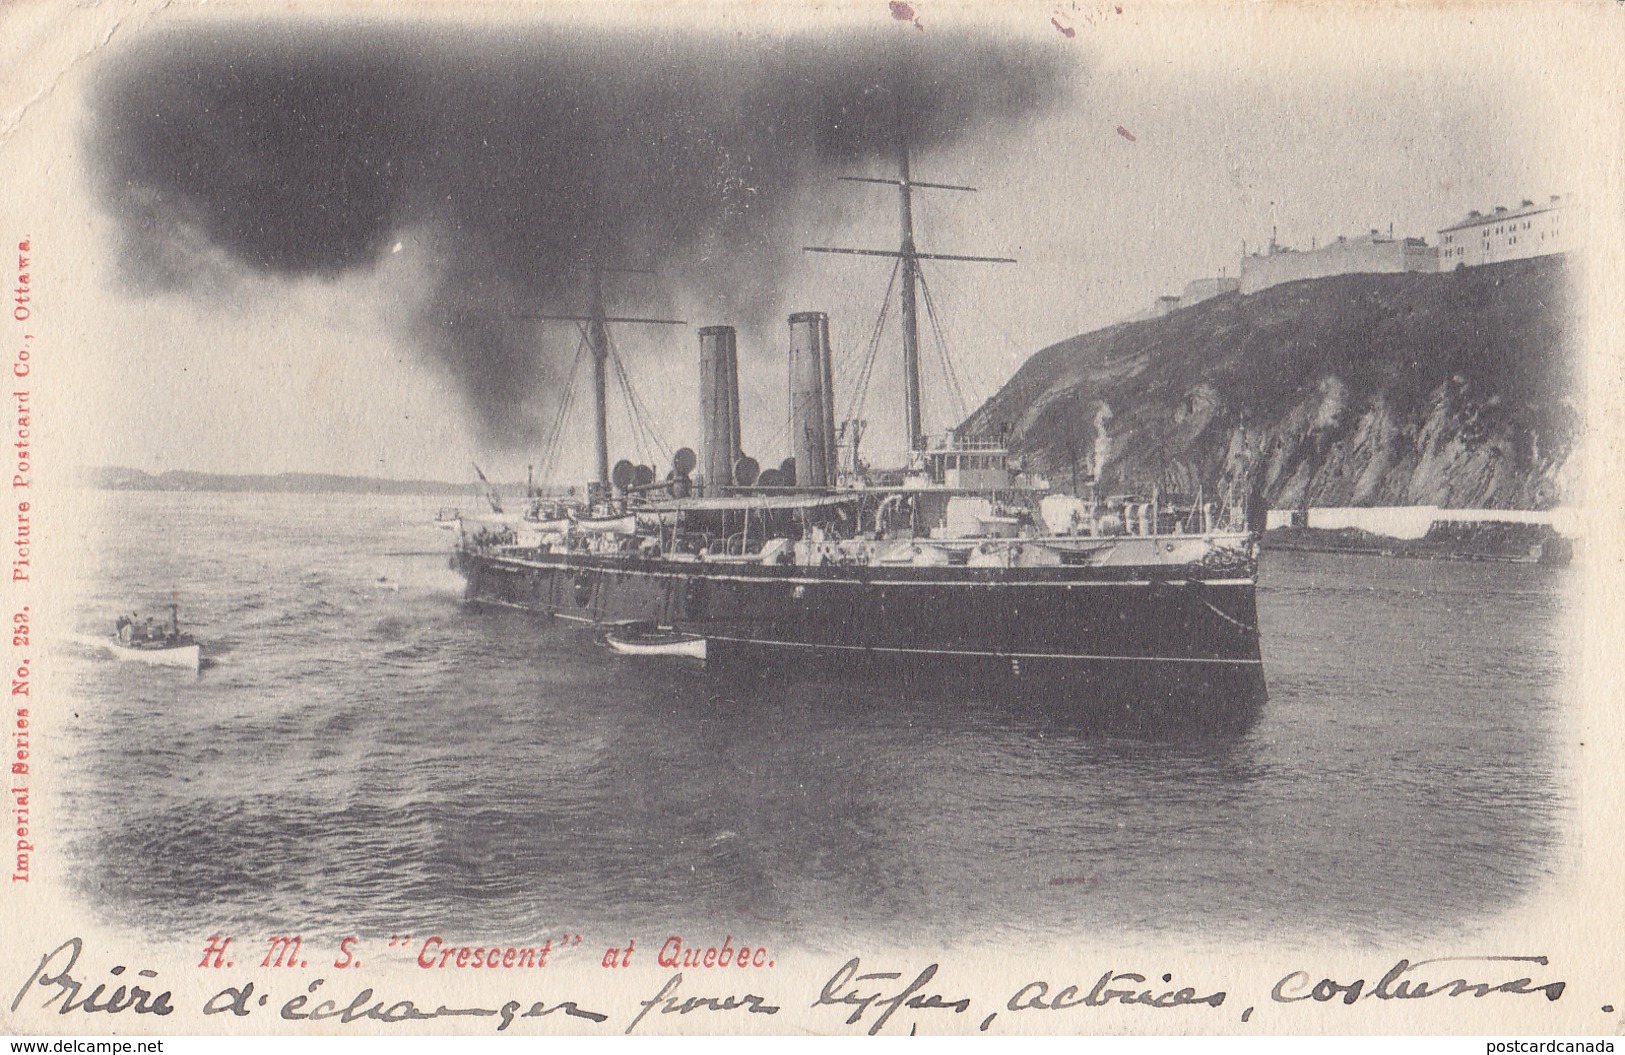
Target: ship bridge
[(962, 464)]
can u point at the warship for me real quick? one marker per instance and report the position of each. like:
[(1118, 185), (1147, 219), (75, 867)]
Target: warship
[(957, 567)]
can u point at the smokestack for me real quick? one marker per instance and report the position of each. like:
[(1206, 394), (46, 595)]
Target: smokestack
[(719, 406), (733, 405), (812, 400)]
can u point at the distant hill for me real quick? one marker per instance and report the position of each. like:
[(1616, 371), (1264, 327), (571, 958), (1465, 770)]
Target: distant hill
[(1458, 389), (117, 478)]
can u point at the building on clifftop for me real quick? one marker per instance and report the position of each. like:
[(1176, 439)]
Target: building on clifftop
[(1509, 234)]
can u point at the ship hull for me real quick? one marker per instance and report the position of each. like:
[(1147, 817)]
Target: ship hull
[(1136, 646)]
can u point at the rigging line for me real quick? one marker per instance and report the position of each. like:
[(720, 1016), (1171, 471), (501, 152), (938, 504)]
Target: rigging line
[(612, 371), (948, 397), (955, 388), (860, 394), (641, 412), (948, 357), (847, 372), (635, 425), (991, 379), (551, 445), (553, 426), (860, 389), (639, 443), (846, 358), (945, 352), (851, 357), (551, 459), (860, 383), (647, 416), (556, 428), (566, 400), (947, 292)]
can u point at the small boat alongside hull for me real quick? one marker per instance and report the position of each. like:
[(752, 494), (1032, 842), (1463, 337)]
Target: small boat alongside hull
[(633, 642)]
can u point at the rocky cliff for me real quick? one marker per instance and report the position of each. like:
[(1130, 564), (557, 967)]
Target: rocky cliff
[(1457, 389)]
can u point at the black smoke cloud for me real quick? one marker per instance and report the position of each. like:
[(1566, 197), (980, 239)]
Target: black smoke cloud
[(518, 155)]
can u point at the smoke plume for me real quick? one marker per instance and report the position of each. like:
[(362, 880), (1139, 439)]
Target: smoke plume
[(517, 156)]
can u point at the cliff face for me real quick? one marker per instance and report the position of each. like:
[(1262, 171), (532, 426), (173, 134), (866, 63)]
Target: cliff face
[(1455, 389)]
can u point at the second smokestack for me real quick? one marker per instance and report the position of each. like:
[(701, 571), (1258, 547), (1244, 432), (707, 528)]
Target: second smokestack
[(812, 400)]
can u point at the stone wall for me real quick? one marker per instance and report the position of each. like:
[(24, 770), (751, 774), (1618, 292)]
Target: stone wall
[(1366, 254)]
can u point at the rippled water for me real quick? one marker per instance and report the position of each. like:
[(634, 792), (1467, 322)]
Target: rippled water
[(366, 755)]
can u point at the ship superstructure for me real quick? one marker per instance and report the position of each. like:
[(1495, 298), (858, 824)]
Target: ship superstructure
[(958, 564)]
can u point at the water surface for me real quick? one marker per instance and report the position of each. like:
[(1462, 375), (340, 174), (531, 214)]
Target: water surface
[(367, 755)]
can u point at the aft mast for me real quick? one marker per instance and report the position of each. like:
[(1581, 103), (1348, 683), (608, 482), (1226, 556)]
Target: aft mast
[(598, 342), (597, 327)]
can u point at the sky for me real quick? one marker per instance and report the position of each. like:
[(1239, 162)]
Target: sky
[(311, 243)]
